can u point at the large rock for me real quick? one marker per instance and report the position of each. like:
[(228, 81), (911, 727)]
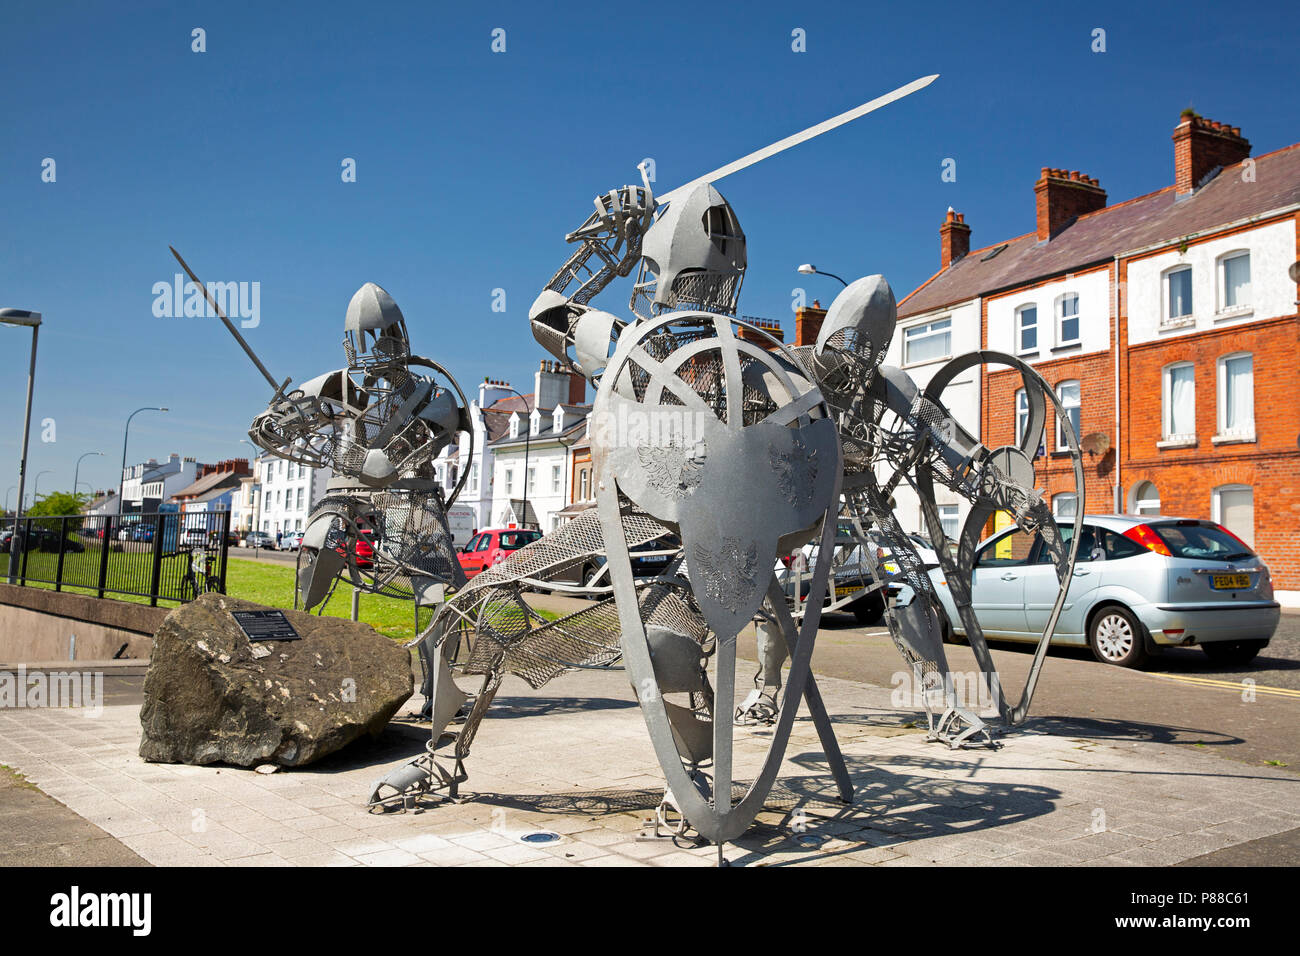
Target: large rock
[(212, 696)]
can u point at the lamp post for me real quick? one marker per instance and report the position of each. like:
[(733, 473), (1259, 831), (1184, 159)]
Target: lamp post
[(76, 474), (809, 269), (36, 485), (32, 320), (127, 434), (528, 435)]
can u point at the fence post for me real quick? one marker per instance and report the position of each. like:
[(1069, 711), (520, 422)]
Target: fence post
[(63, 540), (155, 575), (225, 547), (103, 554), (27, 537)]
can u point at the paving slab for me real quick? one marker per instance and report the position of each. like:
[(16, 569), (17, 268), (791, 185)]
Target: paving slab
[(574, 758)]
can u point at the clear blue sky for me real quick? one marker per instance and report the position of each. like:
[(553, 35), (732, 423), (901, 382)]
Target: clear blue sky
[(472, 165)]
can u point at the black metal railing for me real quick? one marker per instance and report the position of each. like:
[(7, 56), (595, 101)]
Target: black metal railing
[(169, 556)]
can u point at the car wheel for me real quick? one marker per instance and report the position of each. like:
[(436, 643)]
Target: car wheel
[(1232, 652), (1116, 637), (868, 610), (945, 626)]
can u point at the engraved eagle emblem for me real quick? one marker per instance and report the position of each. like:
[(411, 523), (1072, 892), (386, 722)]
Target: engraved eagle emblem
[(729, 571), (796, 471), (673, 469)]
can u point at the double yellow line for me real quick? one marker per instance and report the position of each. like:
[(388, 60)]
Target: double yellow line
[(1236, 686)]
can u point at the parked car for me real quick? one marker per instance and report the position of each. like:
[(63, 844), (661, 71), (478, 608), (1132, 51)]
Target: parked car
[(41, 539), (851, 572), (362, 547), (492, 545), (1140, 583), (196, 537), (259, 539), (142, 532), (291, 540), (648, 560)]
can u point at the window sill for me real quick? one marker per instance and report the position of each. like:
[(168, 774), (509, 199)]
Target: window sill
[(1068, 346), (1236, 312), (1182, 322), (1233, 439), (1028, 354), (1180, 442), (924, 362)]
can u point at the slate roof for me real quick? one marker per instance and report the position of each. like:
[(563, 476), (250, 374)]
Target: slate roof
[(1124, 227)]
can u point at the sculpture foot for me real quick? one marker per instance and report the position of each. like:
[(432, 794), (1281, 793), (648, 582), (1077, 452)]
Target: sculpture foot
[(958, 727), (757, 708)]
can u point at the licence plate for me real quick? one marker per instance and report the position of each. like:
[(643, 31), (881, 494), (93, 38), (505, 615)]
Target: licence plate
[(1230, 582), (842, 590)]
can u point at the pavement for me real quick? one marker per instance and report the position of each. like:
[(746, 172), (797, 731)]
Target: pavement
[(573, 760)]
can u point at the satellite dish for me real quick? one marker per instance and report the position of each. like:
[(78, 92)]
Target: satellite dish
[(1095, 443), (1294, 271)]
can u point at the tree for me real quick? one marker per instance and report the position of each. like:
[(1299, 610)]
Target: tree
[(59, 503)]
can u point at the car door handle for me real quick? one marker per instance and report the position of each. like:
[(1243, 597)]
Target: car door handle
[(1010, 577), (1079, 574)]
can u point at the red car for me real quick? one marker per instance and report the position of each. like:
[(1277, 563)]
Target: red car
[(490, 546), (364, 548)]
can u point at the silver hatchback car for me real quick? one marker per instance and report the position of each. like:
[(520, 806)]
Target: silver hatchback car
[(1141, 582)]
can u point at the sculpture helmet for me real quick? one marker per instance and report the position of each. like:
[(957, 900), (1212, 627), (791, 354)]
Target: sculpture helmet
[(692, 257), (855, 335), (374, 330)]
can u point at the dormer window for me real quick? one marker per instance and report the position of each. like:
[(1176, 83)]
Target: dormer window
[(557, 421), (514, 425), (535, 422)]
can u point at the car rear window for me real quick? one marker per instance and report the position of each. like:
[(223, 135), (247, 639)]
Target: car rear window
[(1201, 541), (517, 539)]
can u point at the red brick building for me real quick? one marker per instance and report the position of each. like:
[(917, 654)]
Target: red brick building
[(1167, 323)]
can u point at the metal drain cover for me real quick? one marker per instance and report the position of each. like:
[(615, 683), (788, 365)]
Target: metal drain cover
[(540, 837)]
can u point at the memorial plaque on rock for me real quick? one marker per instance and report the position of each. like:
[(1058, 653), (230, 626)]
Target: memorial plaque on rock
[(265, 626)]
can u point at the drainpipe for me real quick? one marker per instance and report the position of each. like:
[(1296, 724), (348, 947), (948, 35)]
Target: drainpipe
[(1119, 483)]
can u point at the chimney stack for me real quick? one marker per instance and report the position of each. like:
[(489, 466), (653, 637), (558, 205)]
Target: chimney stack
[(1062, 196), (1201, 145), (954, 239), (807, 323)]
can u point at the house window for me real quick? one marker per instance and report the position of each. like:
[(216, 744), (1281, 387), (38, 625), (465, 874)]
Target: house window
[(1179, 402), (1146, 499), (555, 479), (927, 343), (1027, 328), (1234, 508), (510, 481), (1237, 395), (1178, 292), (473, 478), (300, 493), (948, 520), (1065, 505), (1022, 415), (1234, 281), (1067, 319), (1068, 393), (584, 484), (514, 426), (531, 483)]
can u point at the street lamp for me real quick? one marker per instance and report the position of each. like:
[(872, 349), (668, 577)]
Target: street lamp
[(121, 485), (528, 435), (77, 471), (36, 485), (809, 269), (31, 320)]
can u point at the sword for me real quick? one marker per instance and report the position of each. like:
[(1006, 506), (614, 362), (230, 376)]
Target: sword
[(812, 131), (279, 389)]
